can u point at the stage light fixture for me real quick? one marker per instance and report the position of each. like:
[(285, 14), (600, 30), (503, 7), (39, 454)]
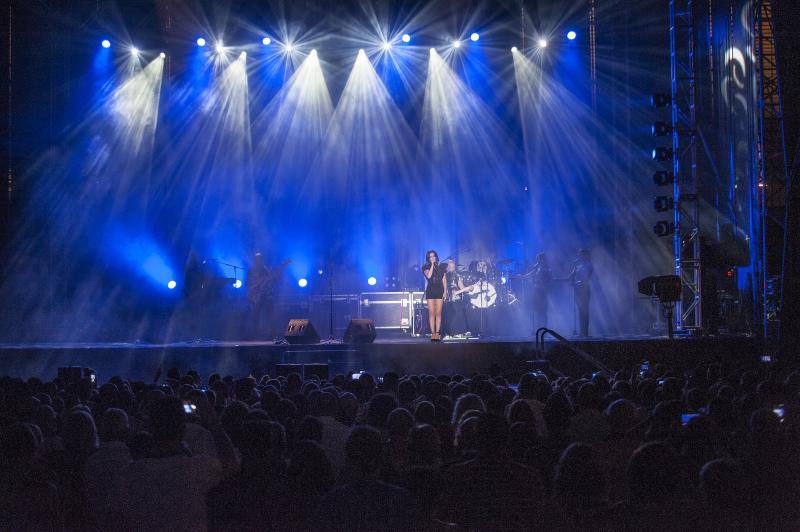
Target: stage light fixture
[(320, 272), (266, 41), (201, 42), (432, 51), (659, 100), (664, 228), (542, 43), (663, 178), (289, 47), (514, 49), (220, 48), (660, 129), (406, 38), (456, 44), (372, 281), (134, 50), (105, 43), (171, 285), (663, 203), (571, 35), (662, 153), (237, 283), (474, 37), (302, 282), (162, 55), (387, 46)]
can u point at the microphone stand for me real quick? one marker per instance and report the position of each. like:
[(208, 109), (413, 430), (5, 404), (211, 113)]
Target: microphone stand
[(331, 339)]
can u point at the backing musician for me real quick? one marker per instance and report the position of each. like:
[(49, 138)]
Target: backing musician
[(260, 284), (542, 279), (580, 277), (455, 312)]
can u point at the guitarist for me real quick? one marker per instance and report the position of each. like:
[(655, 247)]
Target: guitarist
[(260, 284), (455, 312)]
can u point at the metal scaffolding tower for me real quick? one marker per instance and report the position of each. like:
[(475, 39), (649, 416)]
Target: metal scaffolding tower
[(772, 172), (686, 239)]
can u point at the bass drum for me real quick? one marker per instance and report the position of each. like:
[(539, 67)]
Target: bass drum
[(483, 295)]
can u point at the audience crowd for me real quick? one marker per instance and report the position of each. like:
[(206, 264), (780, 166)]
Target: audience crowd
[(711, 448)]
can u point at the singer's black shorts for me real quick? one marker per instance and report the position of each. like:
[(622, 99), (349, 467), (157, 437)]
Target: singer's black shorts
[(434, 291)]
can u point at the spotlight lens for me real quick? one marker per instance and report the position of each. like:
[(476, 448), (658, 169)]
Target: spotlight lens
[(433, 51), (237, 283), (514, 49), (105, 43), (302, 283), (201, 41), (406, 37), (289, 47), (266, 41), (220, 47), (171, 285), (134, 50), (387, 46), (571, 35), (474, 37), (372, 281), (542, 43), (162, 55), (456, 44)]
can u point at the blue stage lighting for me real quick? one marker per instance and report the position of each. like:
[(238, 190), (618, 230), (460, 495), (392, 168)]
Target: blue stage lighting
[(289, 47), (105, 43), (387, 46), (201, 41), (406, 38), (134, 50), (220, 48), (542, 43), (571, 35), (171, 285), (474, 37), (456, 44), (266, 41), (372, 281), (237, 283), (302, 283)]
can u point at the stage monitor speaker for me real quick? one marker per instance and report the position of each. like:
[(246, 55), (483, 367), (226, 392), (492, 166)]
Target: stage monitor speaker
[(359, 331), (283, 370), (301, 332), (667, 288), (320, 370)]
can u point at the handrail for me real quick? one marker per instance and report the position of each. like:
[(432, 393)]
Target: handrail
[(542, 331)]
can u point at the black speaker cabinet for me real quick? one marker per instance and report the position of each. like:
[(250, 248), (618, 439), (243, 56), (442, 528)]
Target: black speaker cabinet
[(359, 331), (283, 370), (301, 332)]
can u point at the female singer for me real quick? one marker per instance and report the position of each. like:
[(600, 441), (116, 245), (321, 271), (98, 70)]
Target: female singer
[(435, 292)]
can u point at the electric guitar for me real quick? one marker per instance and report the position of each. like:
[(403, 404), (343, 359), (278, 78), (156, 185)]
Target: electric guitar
[(263, 284)]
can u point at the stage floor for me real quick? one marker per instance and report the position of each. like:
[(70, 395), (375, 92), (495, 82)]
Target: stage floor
[(402, 354)]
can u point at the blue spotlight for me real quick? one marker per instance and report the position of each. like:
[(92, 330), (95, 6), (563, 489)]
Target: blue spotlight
[(201, 42), (456, 44), (302, 283), (237, 283), (474, 37), (134, 50), (542, 43), (266, 41), (571, 35), (171, 285), (105, 43), (387, 46), (372, 281), (406, 38), (220, 48), (289, 47)]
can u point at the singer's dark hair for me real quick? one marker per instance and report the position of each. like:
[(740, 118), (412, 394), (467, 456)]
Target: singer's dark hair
[(428, 254)]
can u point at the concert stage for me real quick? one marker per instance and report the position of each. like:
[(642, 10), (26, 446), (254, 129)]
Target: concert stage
[(401, 354)]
